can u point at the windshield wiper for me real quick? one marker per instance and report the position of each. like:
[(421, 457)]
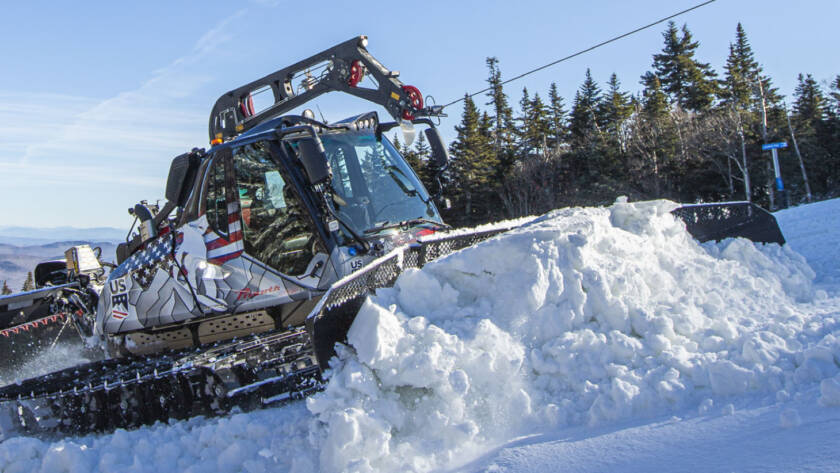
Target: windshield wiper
[(407, 223)]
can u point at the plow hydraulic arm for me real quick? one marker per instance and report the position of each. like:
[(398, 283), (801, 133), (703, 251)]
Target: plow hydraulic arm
[(340, 68)]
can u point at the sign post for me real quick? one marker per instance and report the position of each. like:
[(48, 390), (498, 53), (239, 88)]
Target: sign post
[(774, 150)]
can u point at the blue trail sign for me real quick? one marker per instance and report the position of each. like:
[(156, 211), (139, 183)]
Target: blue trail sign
[(769, 146)]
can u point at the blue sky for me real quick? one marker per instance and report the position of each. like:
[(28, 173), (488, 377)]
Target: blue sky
[(97, 97)]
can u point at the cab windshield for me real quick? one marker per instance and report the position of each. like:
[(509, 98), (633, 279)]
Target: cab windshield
[(373, 186)]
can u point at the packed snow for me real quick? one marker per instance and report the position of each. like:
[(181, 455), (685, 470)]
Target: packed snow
[(588, 339)]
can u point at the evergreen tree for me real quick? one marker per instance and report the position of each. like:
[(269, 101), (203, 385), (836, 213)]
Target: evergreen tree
[(29, 284), (654, 101), (558, 132), (585, 132), (539, 125), (815, 136), (809, 107), (5, 289), (421, 147), (396, 143), (502, 118), (832, 137), (411, 156), (616, 109), (525, 111), (420, 154), (474, 167), (742, 76), (690, 83), (835, 96), (534, 126), (584, 124), (741, 72), (651, 139)]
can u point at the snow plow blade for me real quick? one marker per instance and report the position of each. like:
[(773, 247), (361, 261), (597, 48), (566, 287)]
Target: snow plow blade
[(31, 321), (723, 220)]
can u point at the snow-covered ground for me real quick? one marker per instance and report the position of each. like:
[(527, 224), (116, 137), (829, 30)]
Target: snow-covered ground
[(589, 339)]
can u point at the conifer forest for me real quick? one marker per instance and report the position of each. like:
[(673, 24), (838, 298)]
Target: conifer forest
[(692, 134)]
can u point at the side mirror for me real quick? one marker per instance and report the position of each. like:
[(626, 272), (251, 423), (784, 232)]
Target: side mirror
[(314, 160), (181, 176), (440, 156)]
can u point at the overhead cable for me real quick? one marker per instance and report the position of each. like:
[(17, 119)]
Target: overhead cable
[(583, 51)]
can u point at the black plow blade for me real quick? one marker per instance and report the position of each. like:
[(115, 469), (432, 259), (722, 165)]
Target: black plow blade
[(719, 221)]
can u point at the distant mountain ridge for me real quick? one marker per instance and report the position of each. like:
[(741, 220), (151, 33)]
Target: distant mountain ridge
[(27, 236), (17, 260)]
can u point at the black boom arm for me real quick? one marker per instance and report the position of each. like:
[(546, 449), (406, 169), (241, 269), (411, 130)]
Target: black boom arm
[(346, 65)]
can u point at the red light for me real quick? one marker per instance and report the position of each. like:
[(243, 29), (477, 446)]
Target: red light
[(415, 99), (357, 73)]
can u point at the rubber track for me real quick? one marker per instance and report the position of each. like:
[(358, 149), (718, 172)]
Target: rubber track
[(127, 393)]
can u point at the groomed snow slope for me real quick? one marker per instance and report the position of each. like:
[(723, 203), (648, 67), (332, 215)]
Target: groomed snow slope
[(594, 328)]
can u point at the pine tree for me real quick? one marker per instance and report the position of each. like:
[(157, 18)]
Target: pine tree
[(5, 289), (412, 158), (525, 111), (421, 148), (29, 284), (809, 107), (539, 125), (690, 83), (502, 118), (654, 101), (616, 109), (396, 143), (474, 166), (651, 140), (420, 155), (534, 125), (832, 136), (584, 124), (815, 136), (741, 72), (585, 132), (558, 131), (835, 96), (742, 75)]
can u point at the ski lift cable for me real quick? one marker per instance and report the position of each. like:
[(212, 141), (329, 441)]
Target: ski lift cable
[(591, 48)]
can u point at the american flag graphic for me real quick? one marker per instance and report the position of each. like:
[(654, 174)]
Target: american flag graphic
[(221, 249), (118, 314), (143, 265)]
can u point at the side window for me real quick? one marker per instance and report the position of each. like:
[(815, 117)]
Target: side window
[(341, 175), (276, 226), (215, 201)]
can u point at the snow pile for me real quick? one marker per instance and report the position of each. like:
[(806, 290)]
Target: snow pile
[(585, 316)]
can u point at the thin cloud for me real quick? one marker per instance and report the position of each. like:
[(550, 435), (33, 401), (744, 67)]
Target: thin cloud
[(123, 143)]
